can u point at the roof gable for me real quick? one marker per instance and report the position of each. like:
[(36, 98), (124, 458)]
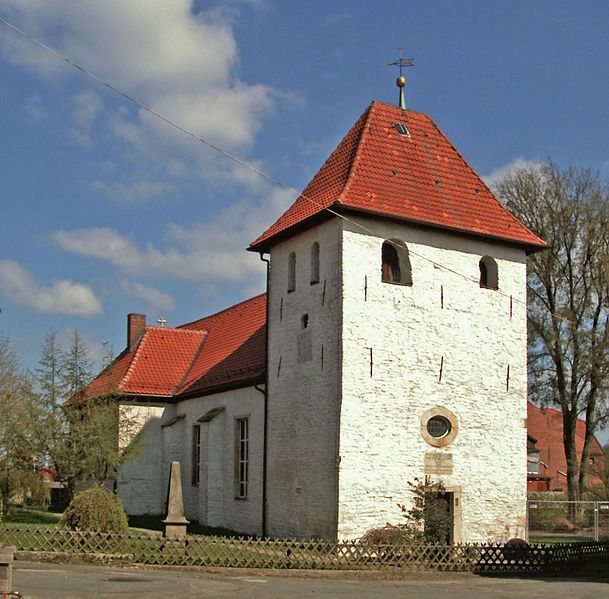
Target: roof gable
[(420, 178)]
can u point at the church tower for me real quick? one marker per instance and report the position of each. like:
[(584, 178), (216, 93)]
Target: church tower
[(396, 339)]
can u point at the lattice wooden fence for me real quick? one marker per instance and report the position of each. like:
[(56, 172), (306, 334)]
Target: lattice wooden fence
[(299, 554)]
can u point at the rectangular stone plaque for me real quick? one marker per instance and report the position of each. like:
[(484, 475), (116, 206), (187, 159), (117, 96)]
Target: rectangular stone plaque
[(438, 463)]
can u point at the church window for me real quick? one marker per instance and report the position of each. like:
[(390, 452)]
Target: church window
[(196, 454), (241, 458), (396, 263), (488, 273), (438, 427), (315, 263), (291, 272)]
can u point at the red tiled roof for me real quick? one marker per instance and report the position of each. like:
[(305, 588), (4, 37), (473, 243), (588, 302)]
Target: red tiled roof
[(161, 360), (546, 426), (234, 348), (225, 348), (420, 178), (108, 381)]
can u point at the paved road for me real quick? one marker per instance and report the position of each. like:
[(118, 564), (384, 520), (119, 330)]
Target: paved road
[(57, 581)]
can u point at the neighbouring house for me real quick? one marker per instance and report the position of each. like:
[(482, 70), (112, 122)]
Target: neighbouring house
[(58, 494), (390, 345), (547, 464)]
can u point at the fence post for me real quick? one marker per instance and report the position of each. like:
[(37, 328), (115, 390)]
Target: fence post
[(596, 521), (7, 553)]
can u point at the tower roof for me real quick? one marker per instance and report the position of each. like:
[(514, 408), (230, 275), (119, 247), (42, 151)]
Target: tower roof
[(415, 175)]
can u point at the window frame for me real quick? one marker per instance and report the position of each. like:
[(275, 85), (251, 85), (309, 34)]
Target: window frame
[(242, 457), (400, 254), (314, 278), (445, 413), (489, 273), (292, 272), (195, 456)]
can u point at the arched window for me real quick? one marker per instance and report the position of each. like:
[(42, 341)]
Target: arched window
[(488, 273), (315, 263), (291, 272), (396, 263)]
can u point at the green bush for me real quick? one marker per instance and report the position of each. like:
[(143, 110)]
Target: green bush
[(96, 510), (391, 534)]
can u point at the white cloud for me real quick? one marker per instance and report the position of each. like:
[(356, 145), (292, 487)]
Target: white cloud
[(208, 253), (36, 108), (62, 297), (178, 62), (499, 173), (86, 107), (156, 299), (134, 191)]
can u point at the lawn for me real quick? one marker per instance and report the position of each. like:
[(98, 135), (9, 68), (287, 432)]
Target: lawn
[(194, 528), (22, 516)]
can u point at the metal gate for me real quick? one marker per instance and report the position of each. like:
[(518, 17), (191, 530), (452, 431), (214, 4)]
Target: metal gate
[(567, 521)]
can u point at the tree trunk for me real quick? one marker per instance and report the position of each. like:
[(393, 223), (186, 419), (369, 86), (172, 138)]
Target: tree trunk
[(569, 424)]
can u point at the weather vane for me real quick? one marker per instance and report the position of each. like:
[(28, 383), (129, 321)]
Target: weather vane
[(401, 80)]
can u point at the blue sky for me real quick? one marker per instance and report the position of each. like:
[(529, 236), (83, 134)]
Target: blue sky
[(107, 211)]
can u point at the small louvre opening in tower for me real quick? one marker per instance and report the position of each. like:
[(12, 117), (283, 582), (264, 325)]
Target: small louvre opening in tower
[(402, 129)]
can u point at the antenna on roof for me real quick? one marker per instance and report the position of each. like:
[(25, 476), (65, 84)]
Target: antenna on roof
[(401, 80)]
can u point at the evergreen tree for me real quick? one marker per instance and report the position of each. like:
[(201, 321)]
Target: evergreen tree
[(76, 369), (60, 376)]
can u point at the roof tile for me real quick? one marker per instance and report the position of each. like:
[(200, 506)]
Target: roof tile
[(421, 178), (226, 347)]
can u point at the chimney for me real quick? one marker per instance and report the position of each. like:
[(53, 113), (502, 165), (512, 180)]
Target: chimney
[(136, 325)]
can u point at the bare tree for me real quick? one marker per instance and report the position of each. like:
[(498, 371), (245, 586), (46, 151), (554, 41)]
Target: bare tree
[(568, 299)]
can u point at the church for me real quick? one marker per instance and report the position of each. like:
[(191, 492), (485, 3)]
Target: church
[(390, 345)]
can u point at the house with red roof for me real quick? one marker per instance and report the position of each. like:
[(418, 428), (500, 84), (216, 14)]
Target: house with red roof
[(547, 461), (390, 345)]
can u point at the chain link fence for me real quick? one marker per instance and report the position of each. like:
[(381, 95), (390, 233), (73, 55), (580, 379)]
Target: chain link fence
[(567, 521)]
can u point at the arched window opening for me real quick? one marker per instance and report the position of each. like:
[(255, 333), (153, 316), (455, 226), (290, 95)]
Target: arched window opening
[(315, 263), (291, 272), (488, 273), (396, 263)]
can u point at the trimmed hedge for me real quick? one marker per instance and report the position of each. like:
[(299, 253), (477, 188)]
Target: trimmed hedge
[(96, 510)]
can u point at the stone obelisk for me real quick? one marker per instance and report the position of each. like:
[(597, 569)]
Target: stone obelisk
[(175, 522)]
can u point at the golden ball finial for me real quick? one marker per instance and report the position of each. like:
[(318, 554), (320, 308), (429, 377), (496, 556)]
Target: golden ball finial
[(400, 81)]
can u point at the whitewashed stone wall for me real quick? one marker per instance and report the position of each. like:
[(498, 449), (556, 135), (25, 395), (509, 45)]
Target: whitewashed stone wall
[(342, 442), (213, 501), (139, 482), (477, 336), (303, 390), (163, 438)]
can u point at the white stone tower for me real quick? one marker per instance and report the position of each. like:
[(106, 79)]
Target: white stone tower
[(397, 339)]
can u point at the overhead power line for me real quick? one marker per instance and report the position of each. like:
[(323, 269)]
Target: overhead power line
[(398, 244)]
